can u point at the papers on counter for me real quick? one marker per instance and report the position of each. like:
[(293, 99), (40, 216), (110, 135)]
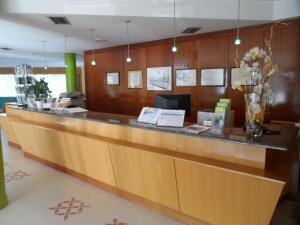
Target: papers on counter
[(162, 117), (149, 115), (171, 118), (195, 129), (75, 110)]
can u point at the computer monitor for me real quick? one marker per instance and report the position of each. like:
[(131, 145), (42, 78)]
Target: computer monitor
[(173, 101)]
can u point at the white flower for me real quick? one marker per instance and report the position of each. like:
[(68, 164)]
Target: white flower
[(255, 108), (262, 53), (258, 89), (254, 52), (255, 64), (247, 56)]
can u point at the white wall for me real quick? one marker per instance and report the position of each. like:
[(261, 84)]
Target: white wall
[(286, 9)]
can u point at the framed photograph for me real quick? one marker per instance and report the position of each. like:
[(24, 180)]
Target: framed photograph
[(159, 78), (113, 78), (135, 79), (213, 77), (186, 77), (238, 77)]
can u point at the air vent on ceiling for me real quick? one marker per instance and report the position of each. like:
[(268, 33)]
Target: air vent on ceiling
[(191, 30), (6, 49), (60, 20)]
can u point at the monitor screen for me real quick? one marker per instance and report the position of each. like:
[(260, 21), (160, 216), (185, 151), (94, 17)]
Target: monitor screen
[(173, 101)]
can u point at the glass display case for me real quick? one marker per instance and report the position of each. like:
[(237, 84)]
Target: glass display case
[(24, 79)]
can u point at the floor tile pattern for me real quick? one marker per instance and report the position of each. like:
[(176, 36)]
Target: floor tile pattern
[(115, 222), (16, 175), (69, 208)]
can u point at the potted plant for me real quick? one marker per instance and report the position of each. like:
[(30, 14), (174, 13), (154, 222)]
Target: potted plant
[(40, 90)]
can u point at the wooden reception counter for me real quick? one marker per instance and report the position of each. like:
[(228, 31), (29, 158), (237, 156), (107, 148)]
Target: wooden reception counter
[(198, 179)]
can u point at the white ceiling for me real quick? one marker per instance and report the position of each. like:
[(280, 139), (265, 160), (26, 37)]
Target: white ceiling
[(26, 24)]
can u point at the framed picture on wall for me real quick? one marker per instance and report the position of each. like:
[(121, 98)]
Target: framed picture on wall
[(159, 78), (113, 78), (135, 79), (213, 77), (186, 77), (238, 77)]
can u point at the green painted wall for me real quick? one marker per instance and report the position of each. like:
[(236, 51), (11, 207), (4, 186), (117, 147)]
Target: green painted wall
[(70, 62), (3, 196)]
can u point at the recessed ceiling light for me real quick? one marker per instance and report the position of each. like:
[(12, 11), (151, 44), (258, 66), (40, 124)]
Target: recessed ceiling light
[(6, 49), (99, 40), (191, 30), (61, 20)]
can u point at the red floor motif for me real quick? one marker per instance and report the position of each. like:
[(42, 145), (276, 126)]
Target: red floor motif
[(68, 208), (115, 222), (18, 175)]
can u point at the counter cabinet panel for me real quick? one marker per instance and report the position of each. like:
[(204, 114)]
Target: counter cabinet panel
[(224, 197), (146, 174), (8, 131), (26, 137), (91, 157), (53, 146)]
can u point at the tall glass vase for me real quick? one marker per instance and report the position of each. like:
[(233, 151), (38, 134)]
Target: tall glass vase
[(255, 113)]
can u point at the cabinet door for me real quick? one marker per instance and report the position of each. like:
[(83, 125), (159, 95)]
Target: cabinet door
[(146, 174), (8, 131), (91, 158), (53, 146), (26, 137), (220, 196)]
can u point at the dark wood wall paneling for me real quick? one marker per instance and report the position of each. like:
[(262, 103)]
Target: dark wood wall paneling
[(209, 50)]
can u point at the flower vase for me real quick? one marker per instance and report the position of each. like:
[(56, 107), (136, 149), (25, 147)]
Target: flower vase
[(255, 112)]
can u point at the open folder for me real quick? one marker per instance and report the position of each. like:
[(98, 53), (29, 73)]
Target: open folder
[(162, 117)]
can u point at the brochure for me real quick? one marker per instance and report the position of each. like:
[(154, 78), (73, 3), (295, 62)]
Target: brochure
[(171, 118), (149, 115), (195, 129)]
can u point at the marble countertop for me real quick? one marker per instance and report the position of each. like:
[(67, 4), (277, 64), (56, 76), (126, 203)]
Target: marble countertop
[(237, 135)]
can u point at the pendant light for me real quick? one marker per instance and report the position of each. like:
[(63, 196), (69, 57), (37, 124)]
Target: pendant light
[(66, 65), (45, 55), (237, 40), (93, 62), (174, 48), (128, 59)]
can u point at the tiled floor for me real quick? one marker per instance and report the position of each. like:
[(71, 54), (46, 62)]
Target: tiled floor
[(39, 195)]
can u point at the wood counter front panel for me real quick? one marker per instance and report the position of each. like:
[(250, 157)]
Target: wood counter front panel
[(209, 50), (26, 137), (91, 157), (8, 131), (137, 163), (224, 197), (53, 146), (247, 155), (146, 174)]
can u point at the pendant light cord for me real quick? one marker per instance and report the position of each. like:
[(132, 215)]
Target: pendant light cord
[(45, 53), (66, 43), (127, 23), (93, 43), (238, 18), (174, 42)]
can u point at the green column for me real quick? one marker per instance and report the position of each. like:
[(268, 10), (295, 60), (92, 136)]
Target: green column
[(3, 196), (70, 67)]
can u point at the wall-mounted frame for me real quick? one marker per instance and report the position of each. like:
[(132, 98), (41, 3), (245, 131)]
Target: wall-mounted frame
[(212, 77), (186, 77), (135, 79), (238, 77), (159, 78), (113, 78)]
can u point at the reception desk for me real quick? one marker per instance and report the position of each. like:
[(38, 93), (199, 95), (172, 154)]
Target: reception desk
[(197, 179)]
